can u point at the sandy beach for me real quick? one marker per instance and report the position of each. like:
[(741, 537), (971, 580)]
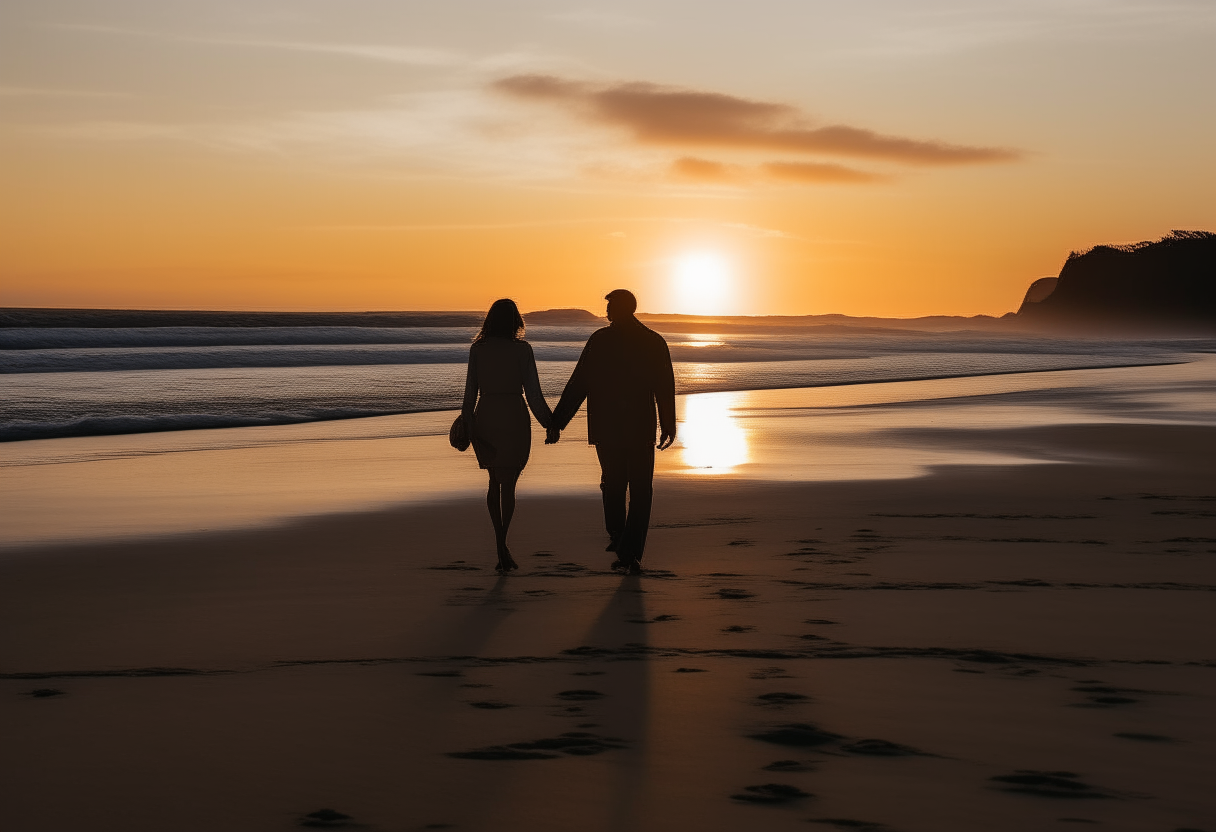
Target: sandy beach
[(917, 298), (968, 646)]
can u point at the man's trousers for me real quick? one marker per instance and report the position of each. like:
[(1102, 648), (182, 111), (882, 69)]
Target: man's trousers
[(627, 470)]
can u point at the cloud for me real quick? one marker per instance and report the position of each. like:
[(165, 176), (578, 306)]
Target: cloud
[(819, 172), (709, 171), (702, 170), (664, 115), (411, 55)]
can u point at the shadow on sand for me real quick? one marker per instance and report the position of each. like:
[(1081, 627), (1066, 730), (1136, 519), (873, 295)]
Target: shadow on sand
[(626, 708)]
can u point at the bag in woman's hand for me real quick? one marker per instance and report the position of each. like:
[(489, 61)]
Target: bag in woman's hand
[(458, 435)]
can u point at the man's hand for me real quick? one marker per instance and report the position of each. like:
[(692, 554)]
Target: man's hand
[(665, 440), (552, 435)]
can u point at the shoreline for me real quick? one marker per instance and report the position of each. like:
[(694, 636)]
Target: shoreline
[(188, 481), (253, 421)]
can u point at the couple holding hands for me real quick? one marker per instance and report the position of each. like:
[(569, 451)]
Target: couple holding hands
[(624, 374)]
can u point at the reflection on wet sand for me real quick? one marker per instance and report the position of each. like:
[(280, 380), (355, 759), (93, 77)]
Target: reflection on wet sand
[(713, 441)]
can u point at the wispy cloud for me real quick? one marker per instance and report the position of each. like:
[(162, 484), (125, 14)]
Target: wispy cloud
[(656, 114), (397, 54), (708, 171), (746, 228), (819, 172)]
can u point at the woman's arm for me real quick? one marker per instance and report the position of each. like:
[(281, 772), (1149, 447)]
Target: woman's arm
[(536, 400), (470, 390)]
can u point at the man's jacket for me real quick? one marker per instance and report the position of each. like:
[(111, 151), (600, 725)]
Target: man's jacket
[(624, 373)]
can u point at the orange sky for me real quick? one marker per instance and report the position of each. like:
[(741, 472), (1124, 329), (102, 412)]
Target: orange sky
[(874, 158)]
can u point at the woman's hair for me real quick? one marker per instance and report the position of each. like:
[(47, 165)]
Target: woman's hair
[(502, 321)]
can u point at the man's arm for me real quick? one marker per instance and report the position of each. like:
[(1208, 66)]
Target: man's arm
[(576, 388), (665, 396)]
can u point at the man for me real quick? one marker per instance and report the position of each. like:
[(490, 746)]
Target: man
[(624, 373)]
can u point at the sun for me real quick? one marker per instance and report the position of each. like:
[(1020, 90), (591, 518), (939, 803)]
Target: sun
[(702, 283)]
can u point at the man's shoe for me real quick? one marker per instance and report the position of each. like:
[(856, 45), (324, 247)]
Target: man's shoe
[(619, 566), (635, 568)]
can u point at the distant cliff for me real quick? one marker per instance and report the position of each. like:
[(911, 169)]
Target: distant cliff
[(1162, 285)]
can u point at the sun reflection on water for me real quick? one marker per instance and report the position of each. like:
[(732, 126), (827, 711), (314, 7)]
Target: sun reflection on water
[(697, 339), (712, 439)]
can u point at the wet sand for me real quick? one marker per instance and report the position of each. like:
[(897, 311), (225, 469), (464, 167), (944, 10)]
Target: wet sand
[(1002, 647)]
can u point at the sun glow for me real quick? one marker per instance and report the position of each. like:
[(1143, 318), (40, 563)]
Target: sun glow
[(702, 284)]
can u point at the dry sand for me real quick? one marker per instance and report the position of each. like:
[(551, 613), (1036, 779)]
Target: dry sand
[(983, 648)]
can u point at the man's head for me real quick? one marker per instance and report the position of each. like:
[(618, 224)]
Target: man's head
[(621, 304)]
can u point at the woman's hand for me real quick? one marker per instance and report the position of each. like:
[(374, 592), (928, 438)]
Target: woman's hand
[(552, 435)]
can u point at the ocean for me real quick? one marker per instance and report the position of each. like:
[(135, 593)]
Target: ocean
[(64, 381)]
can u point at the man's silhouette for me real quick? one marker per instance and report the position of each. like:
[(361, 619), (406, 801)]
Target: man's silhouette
[(624, 374)]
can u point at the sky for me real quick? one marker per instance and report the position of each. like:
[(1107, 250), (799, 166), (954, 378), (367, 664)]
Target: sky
[(877, 157)]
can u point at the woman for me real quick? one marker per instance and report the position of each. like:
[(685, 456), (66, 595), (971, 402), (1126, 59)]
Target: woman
[(500, 365)]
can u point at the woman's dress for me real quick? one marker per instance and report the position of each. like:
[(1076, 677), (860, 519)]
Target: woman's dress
[(499, 369)]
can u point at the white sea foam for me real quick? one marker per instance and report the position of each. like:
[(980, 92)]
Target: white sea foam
[(76, 382)]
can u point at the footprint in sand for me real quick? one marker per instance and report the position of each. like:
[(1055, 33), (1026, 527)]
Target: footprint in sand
[(575, 743), (735, 594), (579, 695), (780, 699), (796, 735), (1054, 784), (882, 748), (769, 673), (1130, 735), (790, 766), (771, 794), (327, 819)]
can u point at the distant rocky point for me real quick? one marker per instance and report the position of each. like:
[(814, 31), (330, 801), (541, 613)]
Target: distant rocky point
[(562, 317), (1040, 289), (1166, 285)]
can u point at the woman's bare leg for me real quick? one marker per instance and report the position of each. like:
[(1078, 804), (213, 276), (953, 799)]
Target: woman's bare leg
[(508, 507), (494, 504)]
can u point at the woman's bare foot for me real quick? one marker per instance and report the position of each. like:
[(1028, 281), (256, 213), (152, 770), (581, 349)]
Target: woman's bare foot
[(506, 563)]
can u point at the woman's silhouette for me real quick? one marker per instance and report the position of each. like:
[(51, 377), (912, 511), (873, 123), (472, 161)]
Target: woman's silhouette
[(500, 365)]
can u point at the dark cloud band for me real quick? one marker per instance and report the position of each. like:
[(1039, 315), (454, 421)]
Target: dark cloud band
[(663, 115)]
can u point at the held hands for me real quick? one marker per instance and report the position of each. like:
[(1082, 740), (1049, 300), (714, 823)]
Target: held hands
[(552, 435), (665, 440)]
